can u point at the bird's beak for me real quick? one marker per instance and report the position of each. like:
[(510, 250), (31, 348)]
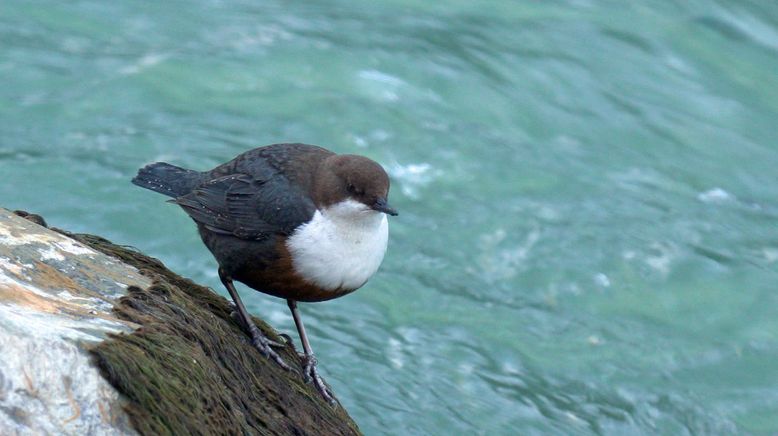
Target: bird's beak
[(382, 206)]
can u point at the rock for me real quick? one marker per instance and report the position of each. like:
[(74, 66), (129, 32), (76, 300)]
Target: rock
[(56, 298), (97, 338)]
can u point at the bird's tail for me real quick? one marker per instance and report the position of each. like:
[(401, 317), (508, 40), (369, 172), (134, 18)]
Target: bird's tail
[(168, 179)]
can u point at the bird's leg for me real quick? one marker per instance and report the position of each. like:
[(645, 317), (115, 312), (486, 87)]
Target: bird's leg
[(258, 339), (310, 373), (235, 315)]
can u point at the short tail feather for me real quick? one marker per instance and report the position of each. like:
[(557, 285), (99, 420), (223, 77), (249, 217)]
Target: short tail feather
[(168, 179)]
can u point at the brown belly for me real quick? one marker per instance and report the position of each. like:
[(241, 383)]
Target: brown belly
[(278, 278)]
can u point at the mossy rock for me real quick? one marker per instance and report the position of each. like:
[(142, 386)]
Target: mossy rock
[(190, 368)]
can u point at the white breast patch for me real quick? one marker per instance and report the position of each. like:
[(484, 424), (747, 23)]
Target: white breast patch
[(341, 247)]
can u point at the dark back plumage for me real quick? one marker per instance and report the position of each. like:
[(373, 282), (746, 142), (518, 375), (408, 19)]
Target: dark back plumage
[(258, 193)]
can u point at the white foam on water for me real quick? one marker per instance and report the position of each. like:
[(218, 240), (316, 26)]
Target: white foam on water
[(714, 196), (413, 176), (381, 85), (770, 254), (602, 280), (496, 263), (395, 353), (662, 260), (145, 62)]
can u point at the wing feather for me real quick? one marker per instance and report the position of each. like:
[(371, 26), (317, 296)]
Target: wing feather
[(248, 207)]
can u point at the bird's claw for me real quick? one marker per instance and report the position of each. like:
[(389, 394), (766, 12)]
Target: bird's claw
[(309, 367), (286, 341), (275, 344), (264, 345), (236, 317), (311, 375)]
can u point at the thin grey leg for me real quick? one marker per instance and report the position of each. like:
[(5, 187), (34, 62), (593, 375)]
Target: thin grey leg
[(262, 343), (310, 373)]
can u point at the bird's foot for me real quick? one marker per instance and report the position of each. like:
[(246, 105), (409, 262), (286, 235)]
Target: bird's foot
[(264, 345), (236, 317), (311, 375)]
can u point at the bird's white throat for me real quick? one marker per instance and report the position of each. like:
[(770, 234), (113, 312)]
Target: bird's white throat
[(341, 247)]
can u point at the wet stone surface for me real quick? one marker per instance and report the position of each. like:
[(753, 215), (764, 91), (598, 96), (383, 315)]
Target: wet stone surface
[(56, 296)]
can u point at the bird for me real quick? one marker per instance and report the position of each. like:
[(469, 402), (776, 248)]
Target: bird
[(295, 221)]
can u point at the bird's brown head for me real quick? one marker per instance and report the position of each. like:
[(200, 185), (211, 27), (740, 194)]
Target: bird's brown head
[(347, 176)]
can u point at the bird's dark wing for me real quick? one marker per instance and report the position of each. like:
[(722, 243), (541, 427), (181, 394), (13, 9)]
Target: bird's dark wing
[(248, 207)]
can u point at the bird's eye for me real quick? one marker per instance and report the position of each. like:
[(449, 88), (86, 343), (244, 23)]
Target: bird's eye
[(353, 190)]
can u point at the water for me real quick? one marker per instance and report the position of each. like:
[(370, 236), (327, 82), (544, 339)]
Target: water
[(588, 238)]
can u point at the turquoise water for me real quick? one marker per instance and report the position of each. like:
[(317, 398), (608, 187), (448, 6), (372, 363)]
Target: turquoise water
[(588, 237)]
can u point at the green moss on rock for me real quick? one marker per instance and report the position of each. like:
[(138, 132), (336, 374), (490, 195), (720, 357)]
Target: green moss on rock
[(190, 368)]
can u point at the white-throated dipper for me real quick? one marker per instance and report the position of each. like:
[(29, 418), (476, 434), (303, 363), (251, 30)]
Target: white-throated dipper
[(295, 221)]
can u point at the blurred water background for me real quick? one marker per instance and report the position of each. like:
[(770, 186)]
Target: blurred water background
[(588, 237)]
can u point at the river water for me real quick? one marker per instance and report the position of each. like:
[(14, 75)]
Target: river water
[(588, 190)]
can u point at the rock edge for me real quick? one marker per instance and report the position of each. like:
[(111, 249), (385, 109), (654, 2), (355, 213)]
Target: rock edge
[(182, 365)]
